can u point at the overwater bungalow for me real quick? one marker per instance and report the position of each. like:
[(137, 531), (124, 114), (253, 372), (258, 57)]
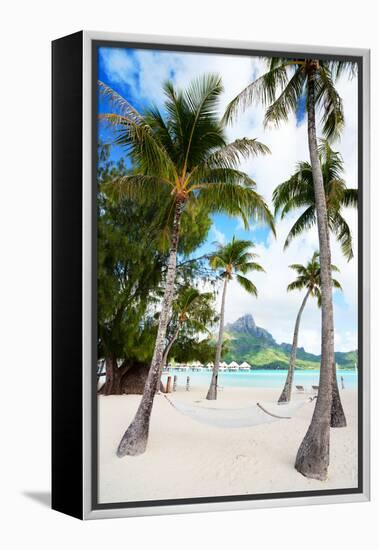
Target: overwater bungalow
[(233, 366), (244, 366)]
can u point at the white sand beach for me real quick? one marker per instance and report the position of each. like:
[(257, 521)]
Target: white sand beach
[(185, 458)]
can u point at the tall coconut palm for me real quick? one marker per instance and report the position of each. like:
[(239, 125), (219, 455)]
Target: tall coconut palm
[(192, 310), (181, 151), (233, 260), (308, 277), (298, 193), (285, 84)]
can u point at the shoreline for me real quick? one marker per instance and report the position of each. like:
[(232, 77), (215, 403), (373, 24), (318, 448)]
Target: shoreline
[(188, 459)]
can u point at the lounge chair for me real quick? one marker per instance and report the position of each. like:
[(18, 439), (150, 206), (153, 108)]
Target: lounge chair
[(300, 388), (315, 388)]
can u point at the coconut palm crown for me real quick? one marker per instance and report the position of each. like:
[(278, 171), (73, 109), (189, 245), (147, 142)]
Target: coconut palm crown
[(182, 150), (298, 192), (308, 277), (284, 85), (235, 258)]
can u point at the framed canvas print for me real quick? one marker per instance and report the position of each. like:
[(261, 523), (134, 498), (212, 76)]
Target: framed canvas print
[(210, 275)]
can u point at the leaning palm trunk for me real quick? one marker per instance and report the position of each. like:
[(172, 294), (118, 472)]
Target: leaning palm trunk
[(337, 415), (212, 392), (312, 458), (134, 440), (165, 356), (285, 396)]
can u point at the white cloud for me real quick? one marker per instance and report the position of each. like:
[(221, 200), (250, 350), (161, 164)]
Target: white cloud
[(118, 65), (218, 236)]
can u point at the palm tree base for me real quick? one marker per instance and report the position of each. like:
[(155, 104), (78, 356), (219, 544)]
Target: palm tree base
[(212, 394), (134, 440), (312, 458), (284, 397), (337, 415)]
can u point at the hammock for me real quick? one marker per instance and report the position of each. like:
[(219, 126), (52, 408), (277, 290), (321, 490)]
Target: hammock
[(239, 418)]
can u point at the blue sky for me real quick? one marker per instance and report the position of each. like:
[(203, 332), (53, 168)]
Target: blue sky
[(138, 76)]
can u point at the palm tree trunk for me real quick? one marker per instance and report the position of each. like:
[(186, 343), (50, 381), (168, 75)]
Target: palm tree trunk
[(165, 356), (312, 458), (135, 438), (285, 396), (212, 392), (112, 385), (337, 415)]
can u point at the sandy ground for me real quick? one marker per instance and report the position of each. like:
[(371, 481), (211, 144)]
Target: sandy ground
[(187, 459)]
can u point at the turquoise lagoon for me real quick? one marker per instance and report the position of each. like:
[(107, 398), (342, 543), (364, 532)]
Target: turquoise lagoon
[(261, 378)]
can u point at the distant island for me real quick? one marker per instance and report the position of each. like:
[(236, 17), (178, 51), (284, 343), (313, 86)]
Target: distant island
[(245, 341)]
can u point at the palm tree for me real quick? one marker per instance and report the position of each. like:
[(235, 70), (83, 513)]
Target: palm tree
[(181, 152), (308, 277), (233, 259), (193, 310), (298, 192), (286, 83)]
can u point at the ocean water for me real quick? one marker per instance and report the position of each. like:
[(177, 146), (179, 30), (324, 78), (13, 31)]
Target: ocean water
[(261, 378)]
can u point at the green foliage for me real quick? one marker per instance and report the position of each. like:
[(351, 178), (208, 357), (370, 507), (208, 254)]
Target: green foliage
[(235, 258), (192, 349), (262, 353), (132, 263), (298, 193), (129, 271), (309, 277), (193, 316)]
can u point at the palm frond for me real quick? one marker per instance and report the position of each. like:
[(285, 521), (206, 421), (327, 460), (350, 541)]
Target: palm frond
[(134, 133), (305, 221), (247, 285), (123, 107), (329, 99), (341, 229), (295, 285), (202, 96), (235, 199), (245, 267), (288, 100), (301, 183), (263, 89), (336, 284), (317, 294), (205, 177), (350, 198), (299, 268), (231, 154), (137, 188), (216, 261), (339, 68)]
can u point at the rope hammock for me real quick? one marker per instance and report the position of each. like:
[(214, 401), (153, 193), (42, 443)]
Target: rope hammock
[(239, 418)]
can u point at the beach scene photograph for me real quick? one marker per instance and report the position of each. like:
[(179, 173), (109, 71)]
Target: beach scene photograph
[(227, 275)]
